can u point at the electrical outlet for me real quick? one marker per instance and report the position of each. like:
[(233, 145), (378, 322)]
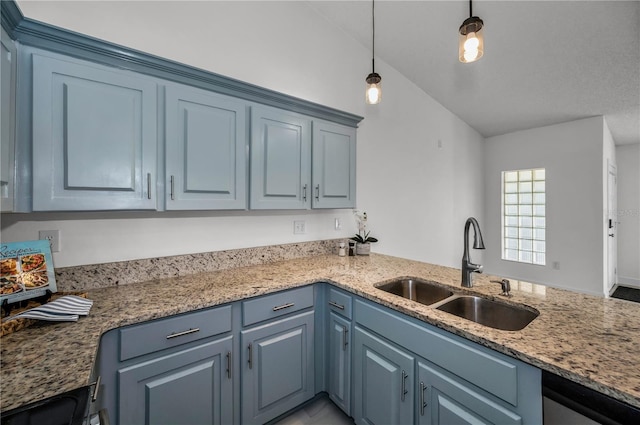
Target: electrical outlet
[(338, 224), (53, 236), (299, 227)]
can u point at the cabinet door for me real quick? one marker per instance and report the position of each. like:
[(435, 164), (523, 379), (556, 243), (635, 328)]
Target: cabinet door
[(94, 137), (7, 126), (280, 160), (383, 376), (277, 367), (190, 387), (340, 362), (334, 165), (205, 150), (446, 399)]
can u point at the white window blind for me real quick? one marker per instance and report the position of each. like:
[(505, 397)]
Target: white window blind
[(523, 216)]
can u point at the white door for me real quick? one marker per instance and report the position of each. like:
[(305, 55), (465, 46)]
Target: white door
[(612, 251)]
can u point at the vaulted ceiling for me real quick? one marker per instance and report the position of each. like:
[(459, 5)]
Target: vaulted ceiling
[(545, 62)]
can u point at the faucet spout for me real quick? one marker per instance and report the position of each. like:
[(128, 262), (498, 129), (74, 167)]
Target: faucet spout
[(467, 266)]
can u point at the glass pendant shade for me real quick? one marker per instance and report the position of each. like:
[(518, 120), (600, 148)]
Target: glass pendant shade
[(471, 40), (374, 89)]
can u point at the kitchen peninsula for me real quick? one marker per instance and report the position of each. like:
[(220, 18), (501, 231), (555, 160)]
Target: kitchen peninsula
[(589, 340)]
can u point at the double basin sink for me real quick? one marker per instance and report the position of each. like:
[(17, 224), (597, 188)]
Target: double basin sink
[(491, 313)]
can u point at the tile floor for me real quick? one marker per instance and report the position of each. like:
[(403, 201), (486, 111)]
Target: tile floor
[(320, 412)]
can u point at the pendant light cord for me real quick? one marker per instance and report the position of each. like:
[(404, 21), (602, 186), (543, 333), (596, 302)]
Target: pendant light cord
[(470, 9), (373, 36)]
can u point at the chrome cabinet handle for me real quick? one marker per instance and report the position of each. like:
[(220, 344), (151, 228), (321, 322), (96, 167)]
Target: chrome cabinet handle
[(336, 305), (171, 185), (283, 306), (304, 193), (317, 192), (250, 348), (96, 389), (345, 340), (148, 185), (229, 365), (404, 390), (103, 416), (423, 403), (183, 333)]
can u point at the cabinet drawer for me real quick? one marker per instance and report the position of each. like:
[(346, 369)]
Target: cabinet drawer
[(157, 335), (276, 305), (339, 302)]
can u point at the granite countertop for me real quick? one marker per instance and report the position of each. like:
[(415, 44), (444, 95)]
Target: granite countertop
[(587, 339)]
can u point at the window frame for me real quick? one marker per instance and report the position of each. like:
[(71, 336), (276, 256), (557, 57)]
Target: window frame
[(523, 216)]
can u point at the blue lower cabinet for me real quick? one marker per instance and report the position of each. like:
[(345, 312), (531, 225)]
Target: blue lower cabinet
[(339, 361), (383, 381), (277, 367), (445, 399), (189, 387)]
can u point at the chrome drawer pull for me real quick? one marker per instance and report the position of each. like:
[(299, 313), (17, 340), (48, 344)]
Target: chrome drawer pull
[(317, 192), (183, 333), (345, 340), (250, 348), (336, 305), (404, 385), (148, 185), (283, 306), (172, 184), (304, 193), (94, 396), (423, 404), (229, 365)]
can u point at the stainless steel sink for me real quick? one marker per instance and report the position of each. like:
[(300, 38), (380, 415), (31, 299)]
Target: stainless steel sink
[(421, 291), (493, 314)]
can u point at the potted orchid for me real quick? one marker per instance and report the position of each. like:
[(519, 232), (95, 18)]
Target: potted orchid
[(362, 238)]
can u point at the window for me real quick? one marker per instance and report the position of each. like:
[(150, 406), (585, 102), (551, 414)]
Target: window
[(523, 216)]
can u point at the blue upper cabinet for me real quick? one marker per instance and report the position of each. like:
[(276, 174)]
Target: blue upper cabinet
[(94, 137), (280, 159), (295, 168), (7, 125), (205, 150), (87, 116), (334, 165)]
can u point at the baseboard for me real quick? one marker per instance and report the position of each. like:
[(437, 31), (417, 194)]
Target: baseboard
[(629, 281)]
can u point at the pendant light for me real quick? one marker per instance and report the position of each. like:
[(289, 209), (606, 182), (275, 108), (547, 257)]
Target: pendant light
[(471, 40), (373, 94)]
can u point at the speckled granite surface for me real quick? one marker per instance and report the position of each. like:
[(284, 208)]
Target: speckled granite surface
[(590, 340), (124, 272)]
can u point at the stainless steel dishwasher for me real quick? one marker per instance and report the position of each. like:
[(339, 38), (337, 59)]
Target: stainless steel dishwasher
[(587, 402)]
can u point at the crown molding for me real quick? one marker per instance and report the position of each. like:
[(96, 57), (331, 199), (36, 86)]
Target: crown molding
[(38, 34)]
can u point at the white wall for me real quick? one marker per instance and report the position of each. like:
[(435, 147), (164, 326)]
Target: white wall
[(416, 194), (572, 155), (628, 159), (420, 178)]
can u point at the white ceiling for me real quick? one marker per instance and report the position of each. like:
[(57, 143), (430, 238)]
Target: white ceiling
[(545, 62)]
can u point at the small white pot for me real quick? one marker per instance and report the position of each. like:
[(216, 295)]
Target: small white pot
[(363, 248)]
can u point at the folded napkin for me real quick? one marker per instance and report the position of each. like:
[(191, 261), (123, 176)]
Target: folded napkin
[(64, 309)]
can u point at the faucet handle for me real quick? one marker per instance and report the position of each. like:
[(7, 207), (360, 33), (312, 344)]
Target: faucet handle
[(476, 268)]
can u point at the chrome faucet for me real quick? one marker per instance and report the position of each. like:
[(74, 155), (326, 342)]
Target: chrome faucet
[(467, 266)]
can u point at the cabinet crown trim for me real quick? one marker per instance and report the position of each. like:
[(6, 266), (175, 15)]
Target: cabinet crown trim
[(41, 35)]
